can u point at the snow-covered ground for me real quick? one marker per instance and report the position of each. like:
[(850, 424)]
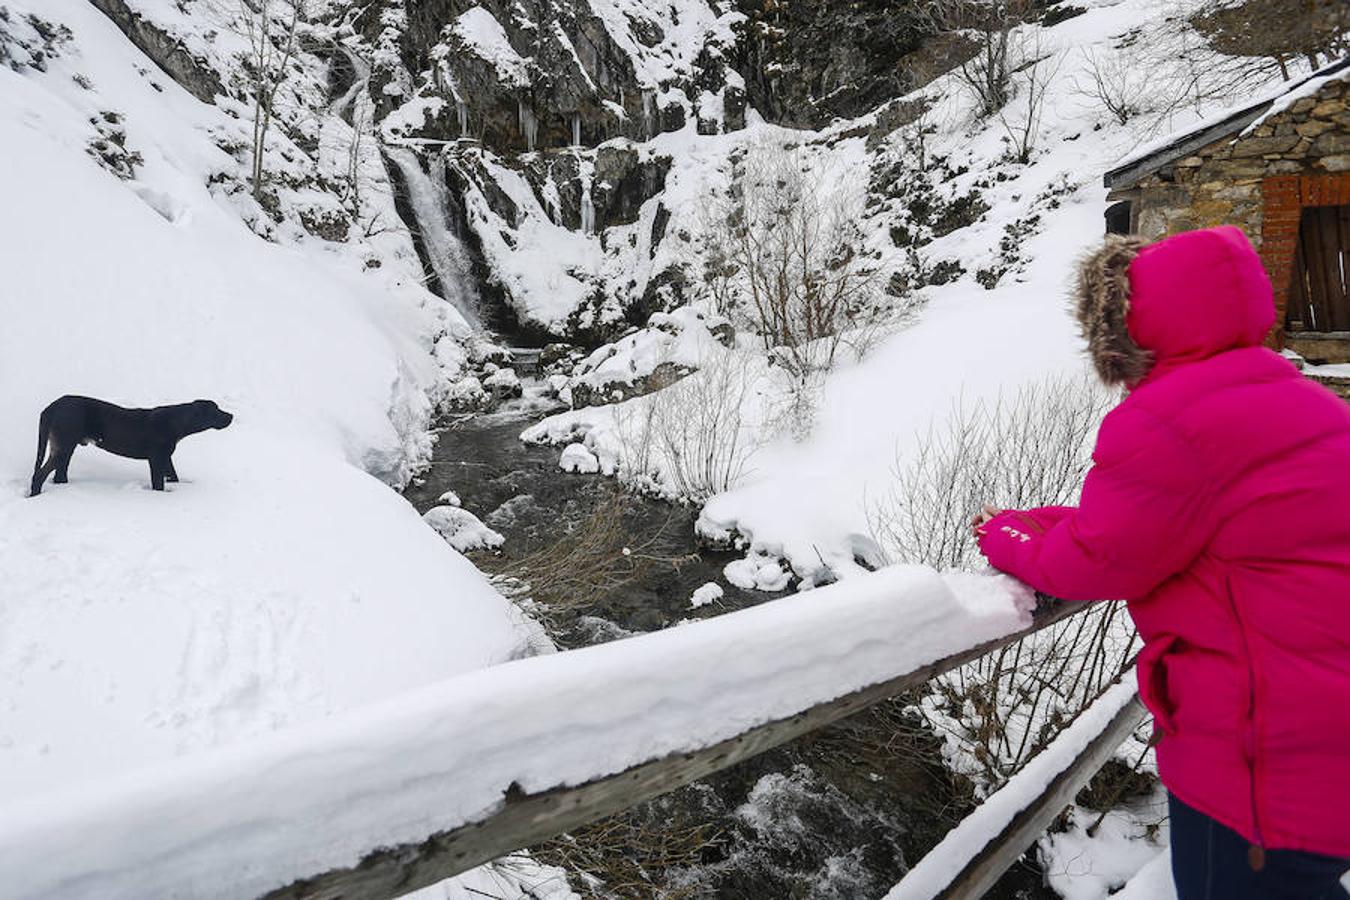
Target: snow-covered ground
[(282, 580)]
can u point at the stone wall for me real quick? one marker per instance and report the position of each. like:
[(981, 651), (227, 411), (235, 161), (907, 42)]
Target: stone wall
[(1222, 183)]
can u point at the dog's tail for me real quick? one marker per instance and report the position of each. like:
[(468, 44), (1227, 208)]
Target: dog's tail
[(44, 435)]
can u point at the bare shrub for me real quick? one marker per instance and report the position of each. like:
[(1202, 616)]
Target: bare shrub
[(1031, 449), (1001, 710), (630, 855), (1185, 73), (1114, 84), (786, 260), (270, 28), (697, 437), (1032, 79), (1316, 32), (988, 72)]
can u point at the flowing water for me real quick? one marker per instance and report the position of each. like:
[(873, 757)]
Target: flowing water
[(837, 814)]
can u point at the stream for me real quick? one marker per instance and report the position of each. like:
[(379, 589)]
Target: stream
[(840, 813)]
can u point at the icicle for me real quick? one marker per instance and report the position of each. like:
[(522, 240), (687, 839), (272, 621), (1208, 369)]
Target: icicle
[(529, 125), (586, 175), (587, 208), (648, 112), (576, 129), (462, 109)]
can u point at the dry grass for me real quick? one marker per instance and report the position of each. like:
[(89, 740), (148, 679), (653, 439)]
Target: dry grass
[(627, 856), (597, 556)]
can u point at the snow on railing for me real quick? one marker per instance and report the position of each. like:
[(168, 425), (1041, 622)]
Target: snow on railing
[(974, 855), (396, 796)]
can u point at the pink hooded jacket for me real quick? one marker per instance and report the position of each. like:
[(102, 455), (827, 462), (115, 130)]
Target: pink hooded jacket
[(1219, 507)]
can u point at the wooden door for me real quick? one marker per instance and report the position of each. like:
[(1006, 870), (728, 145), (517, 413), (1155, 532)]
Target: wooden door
[(1319, 297)]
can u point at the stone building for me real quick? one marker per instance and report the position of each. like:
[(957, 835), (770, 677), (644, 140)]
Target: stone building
[(1279, 169)]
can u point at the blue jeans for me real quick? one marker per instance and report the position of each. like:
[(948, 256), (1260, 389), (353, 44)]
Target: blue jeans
[(1209, 862)]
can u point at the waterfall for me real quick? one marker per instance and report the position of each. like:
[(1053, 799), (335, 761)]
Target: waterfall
[(529, 125), (431, 201), (345, 105), (576, 129)]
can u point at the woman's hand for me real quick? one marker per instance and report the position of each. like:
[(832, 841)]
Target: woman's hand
[(987, 512)]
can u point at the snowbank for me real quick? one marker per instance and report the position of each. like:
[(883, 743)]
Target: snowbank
[(279, 582), (243, 819)]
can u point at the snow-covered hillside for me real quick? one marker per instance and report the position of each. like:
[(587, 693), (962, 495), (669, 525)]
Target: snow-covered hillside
[(282, 580), (984, 243)]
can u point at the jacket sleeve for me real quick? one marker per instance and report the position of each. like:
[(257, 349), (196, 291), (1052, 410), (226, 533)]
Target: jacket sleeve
[(1142, 518)]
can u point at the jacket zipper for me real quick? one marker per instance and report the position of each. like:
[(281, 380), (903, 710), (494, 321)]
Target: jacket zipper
[(1256, 853)]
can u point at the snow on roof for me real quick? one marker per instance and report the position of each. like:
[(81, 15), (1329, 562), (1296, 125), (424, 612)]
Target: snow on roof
[(1233, 119), (485, 36), (1337, 72)]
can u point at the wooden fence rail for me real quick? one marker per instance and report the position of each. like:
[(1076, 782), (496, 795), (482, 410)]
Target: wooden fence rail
[(525, 819)]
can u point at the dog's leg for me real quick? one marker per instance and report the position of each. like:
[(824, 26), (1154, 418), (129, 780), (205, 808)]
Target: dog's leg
[(157, 473), (62, 458), (170, 473), (44, 448), (41, 475)]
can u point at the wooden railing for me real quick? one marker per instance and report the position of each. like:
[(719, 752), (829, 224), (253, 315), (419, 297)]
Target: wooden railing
[(395, 797), (525, 819)]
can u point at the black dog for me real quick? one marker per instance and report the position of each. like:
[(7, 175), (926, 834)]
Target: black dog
[(150, 434)]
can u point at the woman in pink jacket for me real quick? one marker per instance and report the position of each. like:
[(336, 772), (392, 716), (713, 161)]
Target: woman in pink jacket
[(1219, 507)]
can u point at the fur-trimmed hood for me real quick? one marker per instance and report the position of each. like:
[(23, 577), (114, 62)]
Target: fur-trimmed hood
[(1148, 307)]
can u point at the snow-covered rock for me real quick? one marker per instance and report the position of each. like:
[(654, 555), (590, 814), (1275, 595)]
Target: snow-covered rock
[(503, 384), (576, 458), (757, 572), (705, 594), (462, 529)]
